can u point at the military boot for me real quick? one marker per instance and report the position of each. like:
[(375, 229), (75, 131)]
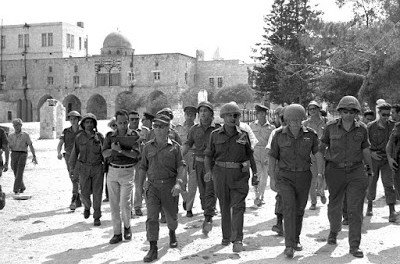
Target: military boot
[(153, 252), (72, 206)]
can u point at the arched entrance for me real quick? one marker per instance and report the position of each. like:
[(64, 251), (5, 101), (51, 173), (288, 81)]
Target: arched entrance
[(24, 110), (41, 102), (72, 103), (128, 101), (97, 105)]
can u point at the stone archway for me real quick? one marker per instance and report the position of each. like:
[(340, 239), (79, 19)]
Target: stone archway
[(97, 105), (72, 103), (40, 103)]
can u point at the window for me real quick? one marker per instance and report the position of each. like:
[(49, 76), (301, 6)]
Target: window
[(24, 81), (44, 39), (80, 43), (156, 76), (131, 76), (102, 79), (3, 78), (76, 79), (219, 82), (9, 115), (26, 39), (115, 79), (50, 69), (20, 41), (76, 68), (3, 42), (186, 78), (50, 80), (50, 39), (72, 42), (211, 81), (68, 41)]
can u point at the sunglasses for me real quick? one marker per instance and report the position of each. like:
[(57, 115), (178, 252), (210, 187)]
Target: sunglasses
[(159, 126), (134, 118), (115, 125), (312, 108), (385, 115), (347, 111)]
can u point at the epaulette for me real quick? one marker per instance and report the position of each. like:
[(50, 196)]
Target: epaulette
[(334, 121), (279, 130), (149, 142), (175, 142)]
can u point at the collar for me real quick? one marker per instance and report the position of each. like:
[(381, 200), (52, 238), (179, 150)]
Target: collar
[(355, 123), (223, 130), (267, 123), (286, 130), (154, 142), (128, 132)]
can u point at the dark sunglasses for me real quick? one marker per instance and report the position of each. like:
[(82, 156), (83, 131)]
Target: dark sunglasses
[(385, 115), (312, 108), (114, 125), (134, 118), (347, 111), (159, 126)]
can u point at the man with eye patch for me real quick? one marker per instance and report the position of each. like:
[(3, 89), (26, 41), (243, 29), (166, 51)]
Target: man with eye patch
[(379, 133), (346, 143)]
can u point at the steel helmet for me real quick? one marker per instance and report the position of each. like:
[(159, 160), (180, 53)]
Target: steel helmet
[(229, 108), (205, 104), (294, 112), (87, 116), (349, 102), (74, 113)]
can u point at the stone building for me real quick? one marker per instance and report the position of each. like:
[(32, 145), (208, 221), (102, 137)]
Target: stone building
[(50, 60)]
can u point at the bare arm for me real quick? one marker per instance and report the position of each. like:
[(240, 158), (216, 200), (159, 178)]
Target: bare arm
[(59, 148), (34, 160)]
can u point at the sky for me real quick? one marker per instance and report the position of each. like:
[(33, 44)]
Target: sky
[(163, 26)]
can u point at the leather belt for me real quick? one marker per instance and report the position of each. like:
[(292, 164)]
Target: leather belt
[(346, 164), (200, 159), (295, 169), (121, 166), (167, 180), (228, 164)]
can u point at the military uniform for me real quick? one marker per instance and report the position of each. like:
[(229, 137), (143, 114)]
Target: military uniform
[(344, 173), (197, 138), (231, 156), (294, 176), (378, 137), (393, 151), (262, 133), (87, 152)]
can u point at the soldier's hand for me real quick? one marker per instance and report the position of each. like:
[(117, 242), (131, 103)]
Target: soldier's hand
[(393, 164), (375, 155), (59, 156), (254, 180), (176, 189), (207, 177), (34, 160)]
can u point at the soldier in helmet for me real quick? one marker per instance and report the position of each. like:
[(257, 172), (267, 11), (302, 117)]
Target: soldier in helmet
[(316, 122), (197, 138), (346, 143), (67, 139), (87, 152), (291, 147), (228, 159)]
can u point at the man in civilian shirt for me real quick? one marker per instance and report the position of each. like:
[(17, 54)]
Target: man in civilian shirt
[(121, 175), (19, 142)]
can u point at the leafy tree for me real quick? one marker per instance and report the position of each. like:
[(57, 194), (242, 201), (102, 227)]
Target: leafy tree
[(284, 74), (241, 94)]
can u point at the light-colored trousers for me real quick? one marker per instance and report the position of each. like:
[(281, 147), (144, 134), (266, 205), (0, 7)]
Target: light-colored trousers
[(262, 173), (120, 185)]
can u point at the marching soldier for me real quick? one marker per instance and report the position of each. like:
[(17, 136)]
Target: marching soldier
[(291, 147), (228, 159), (198, 138), (67, 139), (165, 168), (346, 140), (87, 152)]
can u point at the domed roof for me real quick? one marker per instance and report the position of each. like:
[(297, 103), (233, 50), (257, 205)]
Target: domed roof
[(116, 40)]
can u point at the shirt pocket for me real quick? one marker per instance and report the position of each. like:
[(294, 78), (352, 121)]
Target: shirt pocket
[(335, 142), (305, 146)]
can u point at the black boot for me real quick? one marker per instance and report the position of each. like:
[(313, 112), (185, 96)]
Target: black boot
[(369, 209), (172, 239), (78, 201), (153, 252), (72, 206)]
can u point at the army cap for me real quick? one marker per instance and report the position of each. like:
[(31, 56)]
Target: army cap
[(148, 116), (261, 108), (190, 109), (166, 111), (163, 119)]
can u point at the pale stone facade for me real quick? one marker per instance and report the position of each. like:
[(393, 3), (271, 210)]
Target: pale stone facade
[(63, 71)]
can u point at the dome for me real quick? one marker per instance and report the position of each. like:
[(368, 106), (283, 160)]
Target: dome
[(116, 40)]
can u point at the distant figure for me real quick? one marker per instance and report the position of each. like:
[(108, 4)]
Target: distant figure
[(4, 166), (369, 116), (19, 142)]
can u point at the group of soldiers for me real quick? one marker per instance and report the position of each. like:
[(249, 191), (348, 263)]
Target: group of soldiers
[(301, 151)]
